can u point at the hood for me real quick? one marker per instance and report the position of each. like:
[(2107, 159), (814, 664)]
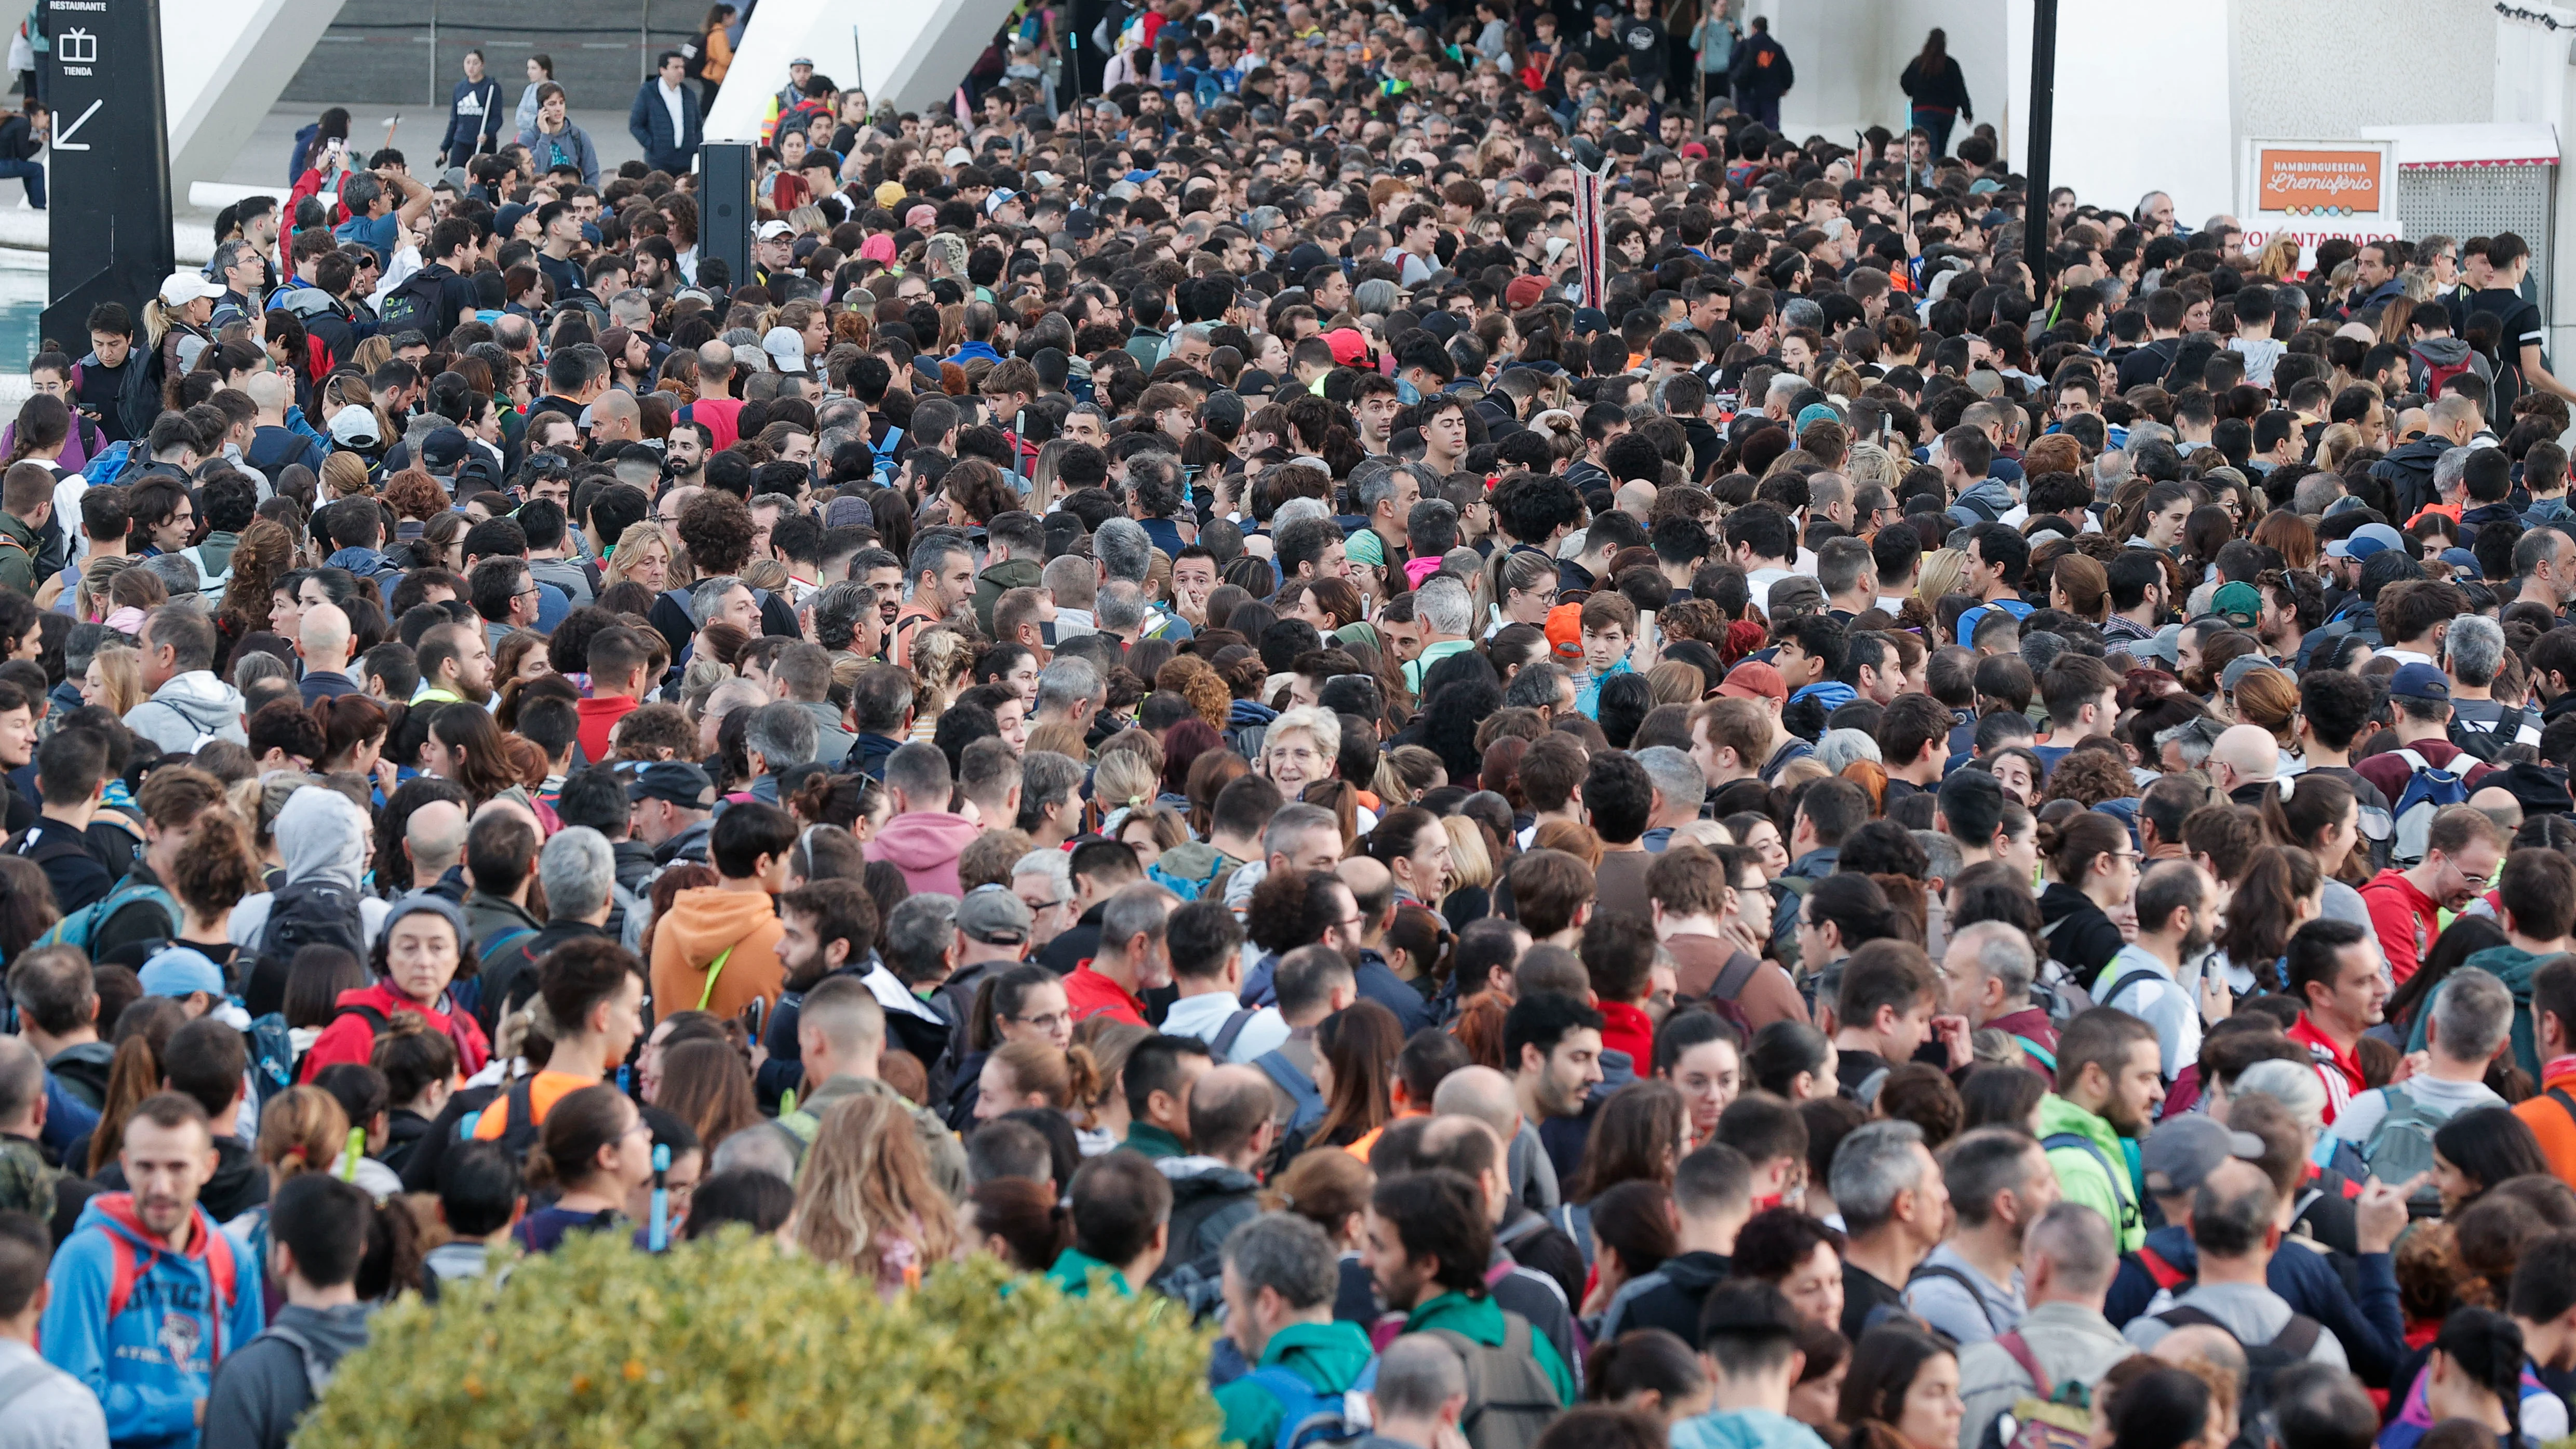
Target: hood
[(212, 706), (114, 1212), (1201, 1177), (325, 837), (924, 840), (1697, 1272), (704, 920), (2056, 1114), (1250, 712), (1744, 1429), (2442, 351), (2511, 965), (2424, 451), (335, 1333), (1831, 693), (1195, 860), (356, 560), (1015, 573), (1985, 501)]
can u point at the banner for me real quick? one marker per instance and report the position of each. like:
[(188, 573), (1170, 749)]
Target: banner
[(1588, 243), (2313, 190)]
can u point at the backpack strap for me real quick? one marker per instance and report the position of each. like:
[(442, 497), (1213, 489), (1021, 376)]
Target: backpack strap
[(2183, 1315), (25, 1376), (2298, 1337), (2127, 980), (374, 1019), (2046, 1057), (2078, 1140), (2565, 1103), (714, 970), (2162, 1269), (2018, 1348), (1731, 981), (123, 1270), (1226, 1034), (1934, 1270), (317, 1374)]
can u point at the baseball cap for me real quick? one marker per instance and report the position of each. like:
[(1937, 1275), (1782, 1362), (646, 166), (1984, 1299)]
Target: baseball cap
[(1000, 198), (2366, 540), (443, 449), (774, 231), (785, 347), (993, 915), (2239, 602), (1349, 348), (182, 972), (958, 156), (2184, 1150), (888, 193), (1524, 292), (802, 60), (2462, 559), (1565, 630), (1588, 320), (2420, 681), (2240, 666), (181, 288), (355, 427), (677, 781), (1754, 679), (1081, 225)]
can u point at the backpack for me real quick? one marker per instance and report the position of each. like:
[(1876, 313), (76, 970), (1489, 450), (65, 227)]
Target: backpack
[(2487, 742), (2287, 1349), (309, 913), (413, 304), (2436, 374), (1300, 1089), (1510, 1399), (2055, 1414), (2427, 791), (272, 1055), (1730, 984), (1233, 1028), (104, 465), (519, 1133), (81, 927), (1307, 1417), (2128, 979), (2402, 1146), (221, 1267), (317, 1374), (1935, 1270)]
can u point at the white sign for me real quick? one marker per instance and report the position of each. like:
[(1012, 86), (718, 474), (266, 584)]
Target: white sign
[(2313, 190)]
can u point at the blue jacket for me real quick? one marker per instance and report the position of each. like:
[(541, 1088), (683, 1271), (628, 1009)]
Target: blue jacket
[(473, 118), (2367, 1318), (649, 122), (145, 1327)]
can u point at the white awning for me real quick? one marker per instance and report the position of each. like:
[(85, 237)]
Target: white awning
[(2455, 147)]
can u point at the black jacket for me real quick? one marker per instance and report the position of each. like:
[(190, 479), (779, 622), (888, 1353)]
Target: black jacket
[(1669, 1298), (1939, 86), (266, 1385), (2408, 472)]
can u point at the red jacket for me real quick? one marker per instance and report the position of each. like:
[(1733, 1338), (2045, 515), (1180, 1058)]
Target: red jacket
[(2405, 919), (1625, 1028), (351, 1037)]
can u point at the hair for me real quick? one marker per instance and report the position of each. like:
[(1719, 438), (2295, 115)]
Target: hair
[(865, 1180), (1884, 1365), (580, 1125), (2489, 1145)]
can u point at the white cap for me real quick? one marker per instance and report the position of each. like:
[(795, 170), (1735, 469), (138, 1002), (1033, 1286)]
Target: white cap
[(181, 288), (785, 347), (354, 427), (774, 230), (957, 156)]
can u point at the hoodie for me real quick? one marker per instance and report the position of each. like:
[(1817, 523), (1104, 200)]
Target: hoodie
[(324, 835), (150, 1357), (350, 1037), (1667, 1298), (2514, 967), (188, 711), (924, 845), (868, 757), (1985, 501), (2433, 352), (1327, 1357), (261, 1391), (2080, 1174), (1744, 1429), (1210, 1198), (1000, 579), (706, 922)]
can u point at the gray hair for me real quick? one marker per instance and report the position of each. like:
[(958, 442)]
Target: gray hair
[(1941, 854), (2472, 1012), (761, 1148), (1137, 910), (1803, 312), (917, 936), (2292, 1084), (930, 555), (578, 871), (1417, 1374), (258, 664), (1124, 549), (1442, 605), (1372, 483), (178, 573), (783, 734), (835, 609), (1287, 1255), (709, 593), (1055, 865), (1674, 774), (1842, 562), (2454, 462), (1044, 777), (1120, 607), (2475, 646), (1377, 294), (2002, 953), (1293, 821), (2076, 1238), (1298, 510), (1538, 685), (1874, 1164), (1977, 1165), (1068, 682), (2316, 493), (1841, 747)]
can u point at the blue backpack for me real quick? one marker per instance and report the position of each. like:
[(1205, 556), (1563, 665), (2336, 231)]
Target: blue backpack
[(1300, 1088), (2427, 791), (105, 467), (80, 928), (272, 1055), (1307, 1417)]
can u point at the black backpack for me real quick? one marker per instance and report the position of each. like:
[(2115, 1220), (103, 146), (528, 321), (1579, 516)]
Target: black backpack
[(2488, 742), (414, 304), (309, 913), (2289, 1347)]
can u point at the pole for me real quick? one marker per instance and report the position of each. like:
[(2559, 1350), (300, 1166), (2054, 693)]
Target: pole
[(2043, 102), (433, 57)]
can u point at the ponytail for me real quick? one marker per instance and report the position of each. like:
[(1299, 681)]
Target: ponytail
[(301, 1130), (393, 1261), (1084, 1082), (581, 1125), (143, 1033)]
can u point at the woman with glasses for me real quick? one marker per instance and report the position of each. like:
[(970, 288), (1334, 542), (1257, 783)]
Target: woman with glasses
[(2093, 868), (595, 1150), (1024, 1004), (1527, 583)]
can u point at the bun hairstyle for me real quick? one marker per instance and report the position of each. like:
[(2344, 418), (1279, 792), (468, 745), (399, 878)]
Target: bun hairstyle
[(1648, 1360), (413, 1055), (2071, 845), (301, 1130), (999, 996), (1063, 1078), (581, 1125), (1034, 1227)]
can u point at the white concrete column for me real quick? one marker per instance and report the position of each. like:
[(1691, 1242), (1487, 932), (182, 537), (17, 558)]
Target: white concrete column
[(223, 68), (911, 55)]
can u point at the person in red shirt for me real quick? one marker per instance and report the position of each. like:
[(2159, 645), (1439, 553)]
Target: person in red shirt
[(2461, 853), (618, 659), (2335, 973), (1132, 959), (1619, 955)]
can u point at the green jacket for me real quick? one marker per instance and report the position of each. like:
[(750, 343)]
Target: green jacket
[(17, 556), (1147, 1140), (1001, 578), (2513, 966), (1433, 654), (2080, 1177), (1481, 1321), (1328, 1356), (1072, 1273), (939, 1147)]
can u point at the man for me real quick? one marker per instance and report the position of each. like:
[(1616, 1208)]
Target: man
[(2177, 918), (71, 780), (2082, 695), (664, 119), (2235, 1227), (673, 800), (1132, 957), (1421, 1391), (2000, 1184), (1121, 1212), (2068, 1259), (323, 644), (1748, 1337), (2110, 1081), (2337, 976), (1446, 615), (1554, 1045), (1882, 1013), (732, 919), (1989, 966), (1693, 905), (2552, 1021), (841, 1037), (942, 580), (1313, 983), (1427, 1251), (2471, 1020), (149, 1351), (188, 706), (1205, 945), (1280, 1277), (317, 1235), (455, 666), (924, 839), (1213, 1189), (2473, 655), (1895, 1207), (1712, 1197)]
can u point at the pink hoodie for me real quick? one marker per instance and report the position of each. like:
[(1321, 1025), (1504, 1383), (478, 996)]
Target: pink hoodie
[(924, 845)]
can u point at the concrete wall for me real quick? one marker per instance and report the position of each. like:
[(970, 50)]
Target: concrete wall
[(1849, 54), (379, 53), (2328, 67), (910, 55)]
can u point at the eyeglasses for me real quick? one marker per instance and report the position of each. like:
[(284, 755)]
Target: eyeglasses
[(1048, 1022)]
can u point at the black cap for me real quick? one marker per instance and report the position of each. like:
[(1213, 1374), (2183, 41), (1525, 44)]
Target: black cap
[(677, 781)]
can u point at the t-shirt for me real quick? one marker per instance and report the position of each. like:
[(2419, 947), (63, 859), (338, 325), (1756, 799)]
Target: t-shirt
[(378, 234), (2362, 1115), (2522, 328)]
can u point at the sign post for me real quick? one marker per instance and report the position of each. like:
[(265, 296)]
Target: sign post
[(2313, 190), (109, 185)]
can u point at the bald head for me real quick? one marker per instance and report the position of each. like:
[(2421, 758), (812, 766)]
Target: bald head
[(1372, 885), (2205, 1343), (1481, 1093), (270, 392), (2249, 750), (615, 415), (1229, 1108), (714, 356), (434, 837), (324, 634), (1637, 499)]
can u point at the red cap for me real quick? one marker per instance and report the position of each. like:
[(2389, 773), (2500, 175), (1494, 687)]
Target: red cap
[(1692, 150), (1565, 631), (1524, 292), (1350, 349), (1754, 679)]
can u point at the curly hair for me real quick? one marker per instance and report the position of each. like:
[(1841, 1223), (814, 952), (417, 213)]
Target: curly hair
[(412, 494), (2090, 778), (1196, 680), (264, 552), (716, 528)]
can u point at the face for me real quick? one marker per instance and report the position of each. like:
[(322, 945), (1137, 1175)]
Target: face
[(2138, 1092), (165, 1167), (739, 608), (674, 71), (173, 535), (17, 737), (2455, 1186), (1568, 1073), (1429, 863), (551, 112), (421, 956), (1932, 1410), (1293, 762), (2467, 874), (1043, 1016), (1708, 1075), (651, 566), (2360, 991), (1815, 1287), (1764, 841), (1530, 606), (2013, 773), (2164, 530)]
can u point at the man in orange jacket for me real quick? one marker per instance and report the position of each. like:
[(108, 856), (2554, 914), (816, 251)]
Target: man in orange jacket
[(2552, 1115)]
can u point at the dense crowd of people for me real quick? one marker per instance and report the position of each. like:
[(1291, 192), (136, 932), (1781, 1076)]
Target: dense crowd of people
[(1864, 834)]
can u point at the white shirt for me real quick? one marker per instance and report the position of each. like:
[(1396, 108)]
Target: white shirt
[(60, 1412), (679, 123)]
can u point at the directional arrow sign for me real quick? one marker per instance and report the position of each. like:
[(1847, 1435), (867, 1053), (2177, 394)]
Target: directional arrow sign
[(63, 139), (110, 168)]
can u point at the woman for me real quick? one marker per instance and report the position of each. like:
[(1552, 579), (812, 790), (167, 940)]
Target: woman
[(465, 748), (301, 1130), (1034, 1074), (553, 140), (2320, 814), (1903, 1391), (864, 1198), (1637, 1137), (2479, 1148), (2093, 867), (1650, 1371), (1023, 1004), (2279, 892), (114, 679), (594, 1150), (1018, 1221), (715, 53), (1525, 590), (1837, 916), (541, 69), (416, 958), (2479, 1370), (1793, 1060), (1798, 1255), (705, 1084), (1760, 834), (175, 321), (642, 554), (1630, 1235), (1700, 1053), (353, 738)]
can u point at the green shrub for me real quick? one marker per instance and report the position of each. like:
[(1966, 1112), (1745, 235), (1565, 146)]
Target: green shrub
[(733, 1344)]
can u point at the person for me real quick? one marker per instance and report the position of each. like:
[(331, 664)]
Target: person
[(1712, 1199), (2062, 1338), (474, 115), (665, 119), (841, 1037), (1280, 1278), (22, 138), (147, 1294), (1902, 1388), (418, 953), (1121, 1209), (2000, 1184), (317, 1233), (52, 1408), (1213, 1189), (1428, 1246), (1749, 1344), (1937, 93), (2469, 1021), (865, 1201), (595, 1151), (1895, 1207), (717, 950), (2110, 1080), (2177, 911), (2233, 1226)]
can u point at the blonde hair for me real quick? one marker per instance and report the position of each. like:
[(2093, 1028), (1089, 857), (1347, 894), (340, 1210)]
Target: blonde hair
[(120, 675), (1124, 779), (1943, 568), (1063, 1078), (301, 1129), (1868, 463), (2335, 444), (1469, 863), (344, 475), (866, 1185)]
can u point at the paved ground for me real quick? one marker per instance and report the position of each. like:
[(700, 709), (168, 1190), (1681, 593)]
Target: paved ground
[(263, 161)]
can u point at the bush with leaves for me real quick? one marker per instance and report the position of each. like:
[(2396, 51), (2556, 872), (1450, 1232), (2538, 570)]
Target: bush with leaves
[(733, 1344)]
